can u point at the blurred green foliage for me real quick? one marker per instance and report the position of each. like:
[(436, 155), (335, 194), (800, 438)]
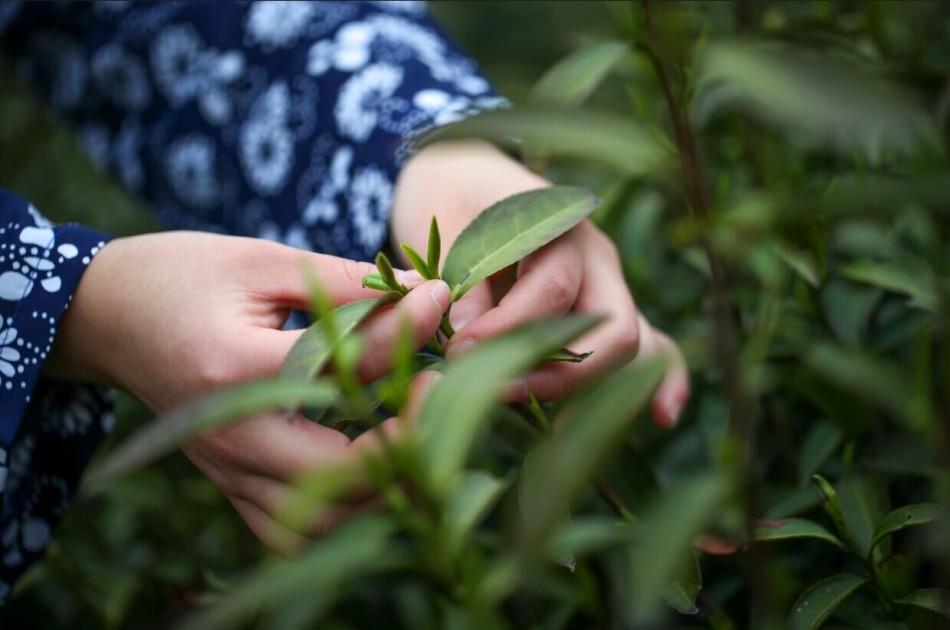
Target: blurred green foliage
[(791, 235)]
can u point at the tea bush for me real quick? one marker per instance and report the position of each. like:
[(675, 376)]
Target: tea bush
[(775, 178)]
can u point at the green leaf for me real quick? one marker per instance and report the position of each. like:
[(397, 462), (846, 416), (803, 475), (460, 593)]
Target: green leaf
[(510, 230), (820, 443), (831, 504), (568, 356), (477, 492), (681, 594), (458, 405), (614, 141), (908, 277), (387, 273), (863, 502), (801, 262), (209, 412), (667, 532), (572, 79), (815, 605), (588, 534), (375, 281), (356, 549), (933, 599), (434, 247), (313, 348), (790, 528), (593, 425), (816, 95), (416, 261), (906, 516)]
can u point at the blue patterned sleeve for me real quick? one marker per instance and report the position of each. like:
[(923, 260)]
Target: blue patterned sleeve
[(48, 429), (278, 119)]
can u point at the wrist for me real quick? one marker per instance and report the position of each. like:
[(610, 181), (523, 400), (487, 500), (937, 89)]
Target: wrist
[(83, 349)]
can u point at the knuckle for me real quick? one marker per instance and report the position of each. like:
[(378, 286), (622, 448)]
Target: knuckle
[(628, 340), (559, 291)]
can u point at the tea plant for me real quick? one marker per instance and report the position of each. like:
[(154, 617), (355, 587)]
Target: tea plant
[(775, 177)]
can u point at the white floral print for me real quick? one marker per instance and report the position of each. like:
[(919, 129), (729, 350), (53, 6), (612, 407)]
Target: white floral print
[(370, 194), (190, 167), (362, 97), (278, 22)]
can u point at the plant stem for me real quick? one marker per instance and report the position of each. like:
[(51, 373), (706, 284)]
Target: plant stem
[(726, 322)]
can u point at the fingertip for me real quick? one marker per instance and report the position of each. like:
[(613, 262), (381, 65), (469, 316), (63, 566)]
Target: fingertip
[(458, 347)]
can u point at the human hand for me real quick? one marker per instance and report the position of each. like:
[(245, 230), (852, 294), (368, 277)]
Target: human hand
[(172, 316), (579, 272)]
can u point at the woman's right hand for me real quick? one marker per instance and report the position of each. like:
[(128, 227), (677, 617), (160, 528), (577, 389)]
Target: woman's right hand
[(175, 315)]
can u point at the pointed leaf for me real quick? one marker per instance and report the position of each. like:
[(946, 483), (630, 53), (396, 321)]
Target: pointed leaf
[(209, 412), (592, 426), (863, 503), (476, 495), (313, 349), (458, 405), (934, 599), (820, 443), (681, 594), (572, 79), (615, 141), (815, 605), (375, 281), (832, 505), (416, 261), (830, 98), (434, 247), (908, 277), (510, 230), (356, 549), (589, 534), (789, 528), (906, 516), (667, 532)]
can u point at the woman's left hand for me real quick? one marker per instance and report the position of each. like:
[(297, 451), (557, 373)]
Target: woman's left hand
[(580, 272)]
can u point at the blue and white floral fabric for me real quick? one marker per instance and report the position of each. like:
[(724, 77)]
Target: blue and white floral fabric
[(277, 119)]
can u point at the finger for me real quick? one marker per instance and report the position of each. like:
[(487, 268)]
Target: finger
[(471, 306), (263, 352), (548, 286), (419, 312), (269, 531), (418, 390), (614, 342), (286, 278), (270, 445), (673, 392)]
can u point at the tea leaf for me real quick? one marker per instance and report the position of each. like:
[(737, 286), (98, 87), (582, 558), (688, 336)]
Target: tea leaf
[(914, 280), (667, 532), (816, 604), (375, 281), (934, 599), (313, 349), (387, 273), (477, 492), (209, 412), (906, 516), (589, 534), (416, 261), (434, 248), (820, 443), (458, 404), (510, 230), (863, 503), (606, 139), (358, 548), (790, 528), (591, 427), (571, 80), (681, 594), (833, 99)]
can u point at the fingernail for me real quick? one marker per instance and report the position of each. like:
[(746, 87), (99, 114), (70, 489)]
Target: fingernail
[(461, 347), (519, 389), (410, 278), (439, 292)]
